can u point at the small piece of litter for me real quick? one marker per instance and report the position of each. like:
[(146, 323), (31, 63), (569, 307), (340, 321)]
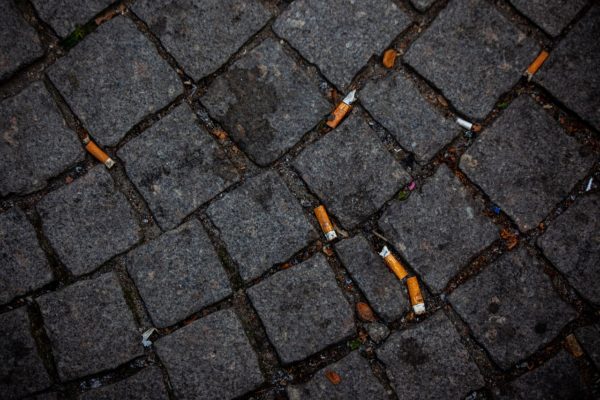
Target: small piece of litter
[(412, 186), (364, 312), (389, 58), (333, 377), (393, 263), (510, 238), (327, 250), (589, 185), (416, 298), (536, 64), (97, 152), (354, 344), (468, 134), (341, 110), (495, 209), (573, 346), (325, 222), (465, 124), (146, 336), (403, 195)]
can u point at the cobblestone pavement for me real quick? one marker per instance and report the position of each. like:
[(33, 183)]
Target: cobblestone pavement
[(195, 267)]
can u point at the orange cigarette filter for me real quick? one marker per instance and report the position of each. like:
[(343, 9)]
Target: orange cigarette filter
[(536, 64), (416, 298), (97, 152), (325, 223), (341, 110), (393, 263), (389, 58)]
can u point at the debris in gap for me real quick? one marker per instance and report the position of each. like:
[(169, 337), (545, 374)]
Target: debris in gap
[(327, 250), (389, 58), (510, 238), (403, 195), (341, 110), (364, 312), (393, 263), (573, 346), (325, 222), (412, 186), (536, 64), (416, 298), (97, 152), (589, 184), (495, 209), (146, 337)]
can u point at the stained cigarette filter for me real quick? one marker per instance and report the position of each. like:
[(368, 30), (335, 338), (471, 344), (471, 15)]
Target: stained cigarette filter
[(536, 64), (393, 263), (416, 298), (325, 222), (341, 110), (97, 152)]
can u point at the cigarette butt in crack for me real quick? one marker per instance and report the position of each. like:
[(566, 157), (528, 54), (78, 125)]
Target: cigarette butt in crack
[(97, 152), (468, 125), (536, 64), (393, 263), (416, 298), (341, 110), (389, 58), (325, 223)]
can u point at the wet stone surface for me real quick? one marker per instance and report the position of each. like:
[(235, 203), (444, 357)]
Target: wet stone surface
[(473, 54), (89, 221), (113, 79), (357, 382), (144, 385), (350, 170), (21, 368), (210, 358), (396, 103), (438, 229), (550, 15), (589, 338), (429, 361), (32, 129), (266, 102), (572, 244), (381, 287), (570, 73), (306, 292), (512, 307), (178, 274), (525, 162), (201, 48), (261, 223), (64, 16), (177, 166), (90, 327), (340, 36)]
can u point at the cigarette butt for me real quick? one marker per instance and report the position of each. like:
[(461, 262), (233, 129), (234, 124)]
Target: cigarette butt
[(341, 110), (536, 64), (325, 222), (416, 298), (389, 58), (97, 152), (393, 263), (573, 346), (465, 124)]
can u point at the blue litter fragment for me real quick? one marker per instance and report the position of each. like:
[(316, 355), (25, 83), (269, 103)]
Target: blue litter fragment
[(495, 209)]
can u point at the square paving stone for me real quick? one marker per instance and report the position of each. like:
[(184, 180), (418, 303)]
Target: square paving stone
[(19, 42), (428, 361), (557, 379), (438, 229), (303, 309), (145, 385), (64, 16), (210, 358), (357, 382), (90, 327), (473, 54), (381, 287), (350, 170), (36, 143), (340, 36), (589, 337), (21, 368), (397, 104), (177, 166), (550, 15), (266, 102), (113, 79), (572, 244), (202, 48), (89, 221), (511, 307), (178, 274), (570, 73), (261, 223), (24, 264), (525, 162)]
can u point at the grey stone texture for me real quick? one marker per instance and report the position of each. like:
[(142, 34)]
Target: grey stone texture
[(357, 382), (261, 223), (525, 162), (24, 264), (512, 307), (438, 229), (65, 16), (89, 221), (381, 287), (19, 42), (302, 309), (210, 358), (422, 5), (266, 102), (202, 36), (377, 331), (351, 171), (550, 15), (177, 166), (90, 327), (340, 36), (473, 54), (21, 368), (178, 274), (113, 78), (35, 144), (144, 385), (589, 338), (557, 379), (570, 73), (428, 361), (572, 244), (397, 104)]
